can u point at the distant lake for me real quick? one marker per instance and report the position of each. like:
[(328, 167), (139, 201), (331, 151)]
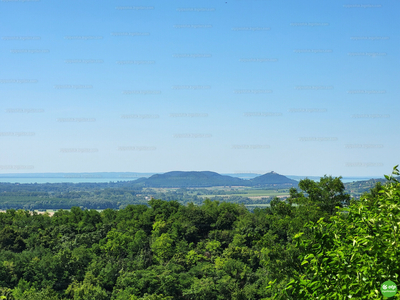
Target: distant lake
[(71, 177), (351, 179), (61, 180), (107, 177), (344, 179)]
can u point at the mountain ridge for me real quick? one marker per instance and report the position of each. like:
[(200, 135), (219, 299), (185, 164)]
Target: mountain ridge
[(183, 179)]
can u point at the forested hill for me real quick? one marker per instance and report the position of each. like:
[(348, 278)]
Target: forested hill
[(357, 188), (272, 178), (180, 179), (190, 179)]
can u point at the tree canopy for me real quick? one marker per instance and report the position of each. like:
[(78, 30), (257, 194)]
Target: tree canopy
[(315, 245), (355, 252)]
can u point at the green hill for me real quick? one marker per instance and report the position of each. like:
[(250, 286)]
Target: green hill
[(180, 179), (272, 178)]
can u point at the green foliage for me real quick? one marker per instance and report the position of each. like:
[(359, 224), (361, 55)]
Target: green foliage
[(6, 293), (86, 290), (117, 243), (163, 250), (10, 239), (162, 247), (355, 252), (327, 194)]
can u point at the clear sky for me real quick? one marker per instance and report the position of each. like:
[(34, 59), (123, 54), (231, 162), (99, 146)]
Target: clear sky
[(296, 87)]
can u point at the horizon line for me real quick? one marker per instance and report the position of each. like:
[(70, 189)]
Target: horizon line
[(222, 173)]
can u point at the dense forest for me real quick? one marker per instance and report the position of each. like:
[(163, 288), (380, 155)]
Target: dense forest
[(89, 196), (317, 244)]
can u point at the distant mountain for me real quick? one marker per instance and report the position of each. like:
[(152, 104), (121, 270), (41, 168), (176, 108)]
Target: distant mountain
[(272, 178), (357, 188), (180, 179)]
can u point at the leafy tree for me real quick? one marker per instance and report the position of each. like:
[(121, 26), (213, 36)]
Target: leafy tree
[(86, 290), (162, 247), (34, 294), (327, 194), (6, 294), (10, 239), (353, 254), (117, 243)]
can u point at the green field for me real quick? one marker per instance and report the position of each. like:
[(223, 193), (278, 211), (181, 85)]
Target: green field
[(250, 193)]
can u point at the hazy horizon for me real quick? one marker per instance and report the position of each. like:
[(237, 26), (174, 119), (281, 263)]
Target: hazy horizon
[(98, 177)]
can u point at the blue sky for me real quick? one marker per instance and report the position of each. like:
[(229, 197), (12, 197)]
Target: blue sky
[(295, 87)]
